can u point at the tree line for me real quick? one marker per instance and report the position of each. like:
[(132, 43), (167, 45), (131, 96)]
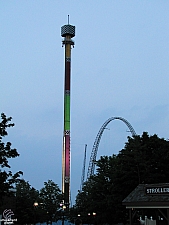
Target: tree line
[(143, 160), (30, 205)]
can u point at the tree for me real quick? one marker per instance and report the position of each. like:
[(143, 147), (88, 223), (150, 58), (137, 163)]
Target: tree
[(51, 198), (26, 196), (97, 195), (7, 178), (144, 159), (33, 206)]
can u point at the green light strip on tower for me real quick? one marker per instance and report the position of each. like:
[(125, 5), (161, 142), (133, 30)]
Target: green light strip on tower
[(67, 112)]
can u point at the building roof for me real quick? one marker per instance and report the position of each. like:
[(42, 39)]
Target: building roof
[(148, 196)]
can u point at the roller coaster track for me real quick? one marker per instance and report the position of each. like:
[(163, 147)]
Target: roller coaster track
[(92, 161)]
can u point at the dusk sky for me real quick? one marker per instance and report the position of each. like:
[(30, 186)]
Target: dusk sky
[(120, 68)]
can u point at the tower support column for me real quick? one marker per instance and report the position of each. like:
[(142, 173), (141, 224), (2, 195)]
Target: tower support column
[(67, 31)]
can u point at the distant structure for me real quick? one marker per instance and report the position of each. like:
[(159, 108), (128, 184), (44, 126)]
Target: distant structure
[(83, 169), (92, 161), (67, 32)]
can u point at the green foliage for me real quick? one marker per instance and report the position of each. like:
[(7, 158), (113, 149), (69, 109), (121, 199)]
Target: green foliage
[(144, 159), (51, 197), (7, 178), (48, 198), (26, 196), (47, 203)]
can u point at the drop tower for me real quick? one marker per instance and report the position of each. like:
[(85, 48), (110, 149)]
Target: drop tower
[(67, 32)]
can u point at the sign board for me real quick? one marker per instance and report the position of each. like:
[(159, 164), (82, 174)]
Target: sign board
[(163, 190)]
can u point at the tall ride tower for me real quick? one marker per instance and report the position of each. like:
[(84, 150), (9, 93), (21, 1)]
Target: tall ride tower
[(67, 32)]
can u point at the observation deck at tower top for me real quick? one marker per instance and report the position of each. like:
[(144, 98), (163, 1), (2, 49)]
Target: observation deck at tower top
[(68, 30)]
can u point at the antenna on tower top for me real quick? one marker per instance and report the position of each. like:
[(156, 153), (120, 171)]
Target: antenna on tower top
[(68, 19)]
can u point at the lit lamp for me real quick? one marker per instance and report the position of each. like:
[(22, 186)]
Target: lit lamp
[(92, 214), (35, 204)]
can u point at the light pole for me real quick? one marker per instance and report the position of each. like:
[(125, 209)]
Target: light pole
[(78, 220), (35, 204), (63, 211), (92, 214)]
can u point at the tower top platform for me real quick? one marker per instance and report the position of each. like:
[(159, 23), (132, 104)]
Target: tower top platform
[(68, 30)]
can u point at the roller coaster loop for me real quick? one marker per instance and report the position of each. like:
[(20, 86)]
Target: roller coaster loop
[(97, 141)]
